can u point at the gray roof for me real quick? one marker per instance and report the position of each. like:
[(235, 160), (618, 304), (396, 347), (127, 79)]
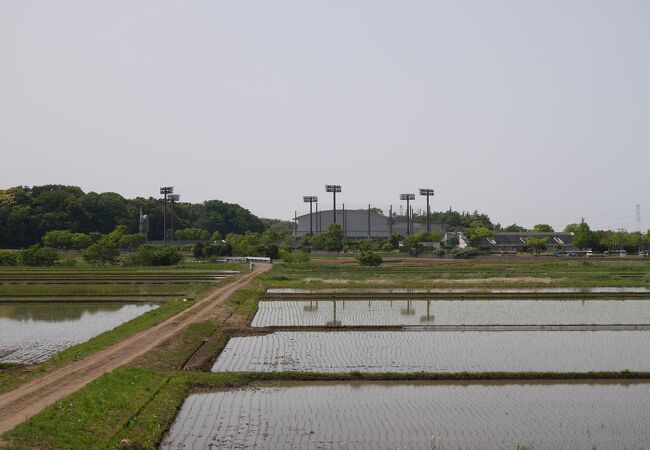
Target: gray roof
[(519, 239)]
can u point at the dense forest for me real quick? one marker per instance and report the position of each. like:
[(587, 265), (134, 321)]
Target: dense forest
[(26, 214)]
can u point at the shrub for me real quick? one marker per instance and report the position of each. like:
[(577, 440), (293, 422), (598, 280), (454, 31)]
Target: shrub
[(104, 251), (131, 241), (439, 252), (294, 257), (66, 239), (192, 234), (149, 255), (67, 262), (38, 256), (8, 258), (462, 253), (369, 259)]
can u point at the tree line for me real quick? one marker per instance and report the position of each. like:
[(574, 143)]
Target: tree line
[(28, 213)]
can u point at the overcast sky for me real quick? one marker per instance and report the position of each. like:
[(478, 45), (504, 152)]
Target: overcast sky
[(530, 111)]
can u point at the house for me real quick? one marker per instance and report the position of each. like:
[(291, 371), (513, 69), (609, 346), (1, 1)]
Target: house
[(511, 242)]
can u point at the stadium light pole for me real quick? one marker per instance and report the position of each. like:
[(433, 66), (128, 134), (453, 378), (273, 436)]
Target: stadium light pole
[(311, 199), (428, 193), (408, 198), (172, 199), (333, 188), (165, 190)]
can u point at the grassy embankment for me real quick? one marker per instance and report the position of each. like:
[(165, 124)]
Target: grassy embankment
[(466, 273)]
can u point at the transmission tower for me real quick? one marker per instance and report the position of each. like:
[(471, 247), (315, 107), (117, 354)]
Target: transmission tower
[(638, 217)]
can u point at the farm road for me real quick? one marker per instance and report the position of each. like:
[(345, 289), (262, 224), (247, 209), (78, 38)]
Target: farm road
[(32, 397)]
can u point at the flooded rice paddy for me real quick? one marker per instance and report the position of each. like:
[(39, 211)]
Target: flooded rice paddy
[(276, 313), (417, 416), (34, 332), (440, 352)]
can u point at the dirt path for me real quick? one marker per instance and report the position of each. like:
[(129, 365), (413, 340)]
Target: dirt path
[(32, 397)]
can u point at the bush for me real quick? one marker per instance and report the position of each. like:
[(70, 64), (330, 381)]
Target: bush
[(439, 252), (192, 234), (38, 256), (462, 253), (66, 239), (206, 250), (369, 259), (149, 255), (8, 258), (131, 241), (294, 257), (67, 262), (104, 251)]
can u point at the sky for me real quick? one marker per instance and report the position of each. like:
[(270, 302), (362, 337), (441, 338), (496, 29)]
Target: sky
[(529, 111)]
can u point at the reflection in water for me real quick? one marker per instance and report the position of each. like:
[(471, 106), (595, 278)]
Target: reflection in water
[(33, 332), (417, 416), (452, 312), (54, 312)]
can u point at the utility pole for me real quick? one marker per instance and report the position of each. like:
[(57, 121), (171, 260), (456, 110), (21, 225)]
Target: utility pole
[(408, 198), (172, 199), (333, 188), (428, 193), (165, 190), (369, 234), (311, 199)]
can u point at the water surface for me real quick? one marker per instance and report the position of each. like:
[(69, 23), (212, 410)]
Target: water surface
[(451, 312), (432, 351), (34, 332), (417, 416)]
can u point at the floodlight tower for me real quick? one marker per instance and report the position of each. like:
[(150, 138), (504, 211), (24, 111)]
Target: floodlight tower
[(333, 188), (172, 199), (311, 199), (408, 198), (165, 190), (428, 193)]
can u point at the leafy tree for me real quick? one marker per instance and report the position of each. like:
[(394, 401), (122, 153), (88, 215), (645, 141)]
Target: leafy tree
[(198, 250), (583, 237), (66, 239), (150, 255), (216, 236), (475, 234), (130, 241), (81, 241), (543, 228), (192, 234), (104, 251), (330, 240), (514, 228), (38, 256), (8, 258), (394, 240), (538, 244), (58, 239), (571, 228), (369, 259)]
